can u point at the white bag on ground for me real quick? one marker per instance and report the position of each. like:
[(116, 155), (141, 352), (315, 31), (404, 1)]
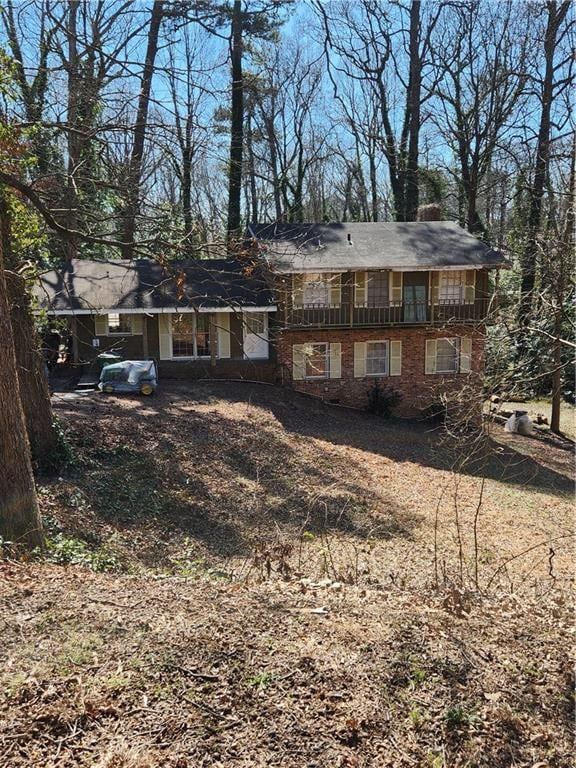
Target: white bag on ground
[(519, 423)]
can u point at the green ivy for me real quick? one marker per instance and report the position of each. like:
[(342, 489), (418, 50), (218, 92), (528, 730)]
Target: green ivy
[(64, 550)]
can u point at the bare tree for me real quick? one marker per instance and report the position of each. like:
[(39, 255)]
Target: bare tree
[(481, 76), (19, 516), (366, 41), (550, 87), (285, 94), (187, 96), (139, 134)]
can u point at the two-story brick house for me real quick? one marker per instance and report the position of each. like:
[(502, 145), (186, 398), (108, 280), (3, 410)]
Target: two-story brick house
[(327, 309), (401, 303)]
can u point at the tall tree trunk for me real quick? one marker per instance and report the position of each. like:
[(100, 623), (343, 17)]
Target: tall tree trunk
[(19, 515), (33, 92), (251, 171), (373, 186), (556, 372), (187, 150), (297, 209), (135, 169), (474, 222), (529, 257), (71, 244), (414, 97), (347, 195), (34, 393), (237, 124), (32, 381), (271, 138), (187, 190), (566, 257)]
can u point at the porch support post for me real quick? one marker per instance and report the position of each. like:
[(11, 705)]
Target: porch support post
[(145, 336), (212, 332), (351, 295), (74, 332)]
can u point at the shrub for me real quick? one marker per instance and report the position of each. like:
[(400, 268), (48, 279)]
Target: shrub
[(382, 399)]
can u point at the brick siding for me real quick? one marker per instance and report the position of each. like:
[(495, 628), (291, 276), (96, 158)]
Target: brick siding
[(249, 370), (419, 390)]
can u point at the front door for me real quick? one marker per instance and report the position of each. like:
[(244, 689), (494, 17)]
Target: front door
[(255, 335)]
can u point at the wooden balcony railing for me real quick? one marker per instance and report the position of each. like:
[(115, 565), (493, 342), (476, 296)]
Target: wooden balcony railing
[(405, 313)]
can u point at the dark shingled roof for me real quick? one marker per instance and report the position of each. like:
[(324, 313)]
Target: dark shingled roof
[(373, 245), (92, 285)]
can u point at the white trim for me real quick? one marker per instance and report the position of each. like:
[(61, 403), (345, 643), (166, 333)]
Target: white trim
[(457, 267), (379, 268), (189, 359), (169, 310)]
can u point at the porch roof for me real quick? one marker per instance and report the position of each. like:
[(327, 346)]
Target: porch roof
[(341, 247), (91, 285)]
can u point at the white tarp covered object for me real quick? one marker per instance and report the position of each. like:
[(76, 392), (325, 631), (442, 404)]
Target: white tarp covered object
[(129, 376), (519, 423)]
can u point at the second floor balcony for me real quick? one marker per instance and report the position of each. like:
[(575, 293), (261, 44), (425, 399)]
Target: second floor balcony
[(400, 313)]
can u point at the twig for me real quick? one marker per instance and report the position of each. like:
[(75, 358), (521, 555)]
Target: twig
[(195, 675), (116, 605)]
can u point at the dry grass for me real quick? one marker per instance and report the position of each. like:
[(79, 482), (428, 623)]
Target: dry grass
[(276, 601), (197, 480)]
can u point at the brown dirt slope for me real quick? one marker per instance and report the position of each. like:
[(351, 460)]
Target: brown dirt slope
[(106, 671), (274, 598)]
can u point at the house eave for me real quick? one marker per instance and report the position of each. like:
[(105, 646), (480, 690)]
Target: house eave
[(155, 310), (372, 268)]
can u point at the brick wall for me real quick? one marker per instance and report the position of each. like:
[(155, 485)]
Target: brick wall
[(250, 370), (418, 389)]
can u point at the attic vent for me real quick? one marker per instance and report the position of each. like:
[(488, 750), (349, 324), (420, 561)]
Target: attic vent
[(350, 239)]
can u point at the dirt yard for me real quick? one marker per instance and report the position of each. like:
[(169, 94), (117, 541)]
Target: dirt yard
[(239, 576)]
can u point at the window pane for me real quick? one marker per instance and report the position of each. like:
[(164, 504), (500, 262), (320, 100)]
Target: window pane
[(447, 353), (255, 322), (451, 290), (119, 323), (377, 285), (316, 290), (376, 358), (202, 335), (316, 361), (183, 335)]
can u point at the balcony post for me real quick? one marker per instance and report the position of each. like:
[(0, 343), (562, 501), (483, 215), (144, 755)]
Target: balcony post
[(351, 295)]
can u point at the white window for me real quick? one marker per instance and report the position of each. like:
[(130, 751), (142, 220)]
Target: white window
[(316, 290), (447, 355), (119, 325), (377, 287), (451, 287), (255, 322), (191, 335), (316, 361), (376, 358)]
